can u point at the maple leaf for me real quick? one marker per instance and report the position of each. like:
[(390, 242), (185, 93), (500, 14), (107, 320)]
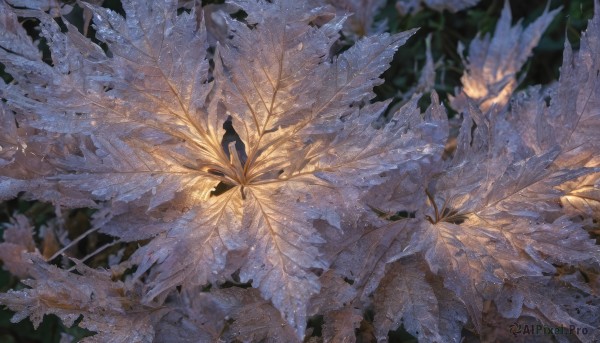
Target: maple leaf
[(207, 161), (493, 216), (492, 222), (410, 295), (241, 148), (230, 314), (417, 305), (493, 62), (108, 306), (568, 116), (18, 238)]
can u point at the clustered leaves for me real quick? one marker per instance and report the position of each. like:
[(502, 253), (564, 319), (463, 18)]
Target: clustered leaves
[(264, 185)]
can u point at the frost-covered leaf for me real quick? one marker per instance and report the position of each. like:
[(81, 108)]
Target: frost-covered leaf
[(17, 239), (132, 171), (567, 307), (490, 220), (405, 297), (241, 148), (493, 62), (209, 232), (582, 195), (231, 314), (495, 214), (362, 17), (481, 257), (282, 252), (568, 114), (565, 113), (452, 312), (12, 148), (9, 137), (366, 249), (233, 153), (256, 320), (336, 293), (340, 325), (108, 307), (54, 7)]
